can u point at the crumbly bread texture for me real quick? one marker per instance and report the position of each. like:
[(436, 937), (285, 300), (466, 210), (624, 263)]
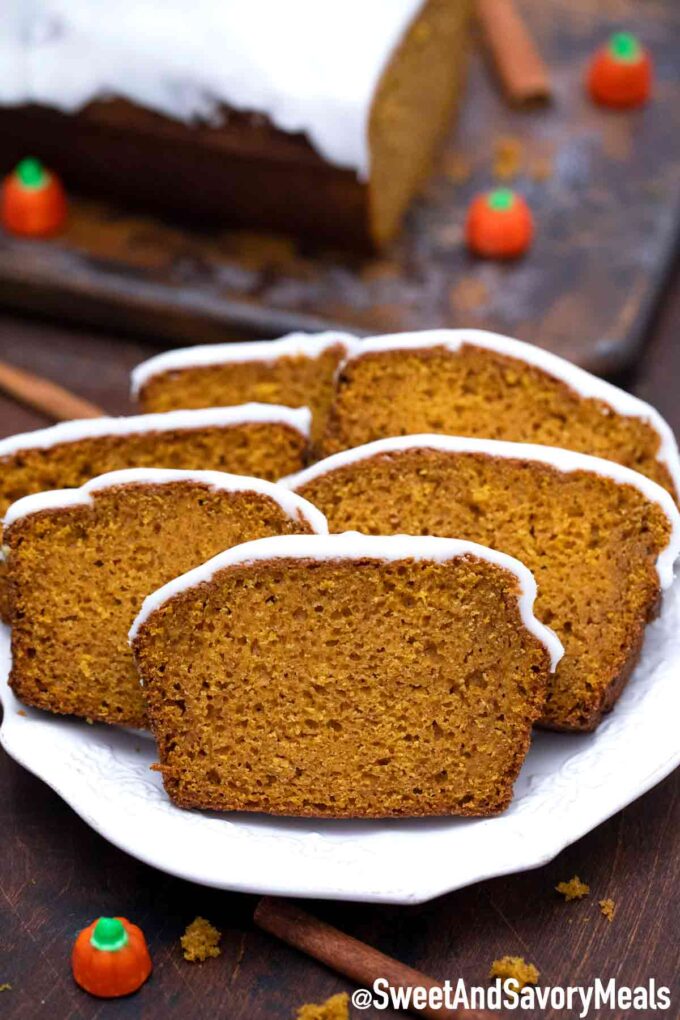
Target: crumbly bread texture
[(474, 391), (78, 576), (574, 889), (264, 449), (261, 449), (401, 688), (608, 909), (517, 968), (200, 941), (591, 543), (335, 1008), (300, 380)]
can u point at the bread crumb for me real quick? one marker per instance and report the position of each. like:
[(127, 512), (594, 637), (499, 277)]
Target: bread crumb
[(574, 889), (507, 158), (21, 712), (515, 967), (468, 294), (457, 168), (541, 168), (335, 1008), (6, 987), (608, 908), (200, 941)]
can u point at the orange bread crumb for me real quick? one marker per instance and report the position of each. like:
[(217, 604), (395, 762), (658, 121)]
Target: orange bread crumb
[(515, 967), (574, 889), (335, 1008), (200, 941), (508, 156), (608, 909)]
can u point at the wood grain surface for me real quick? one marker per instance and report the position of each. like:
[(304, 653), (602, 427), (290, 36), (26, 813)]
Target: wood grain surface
[(56, 874), (604, 186)]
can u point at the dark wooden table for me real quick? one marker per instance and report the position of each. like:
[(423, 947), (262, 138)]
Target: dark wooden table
[(56, 874)]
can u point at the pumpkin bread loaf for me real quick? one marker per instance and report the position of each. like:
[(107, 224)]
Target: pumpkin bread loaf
[(599, 538), (410, 675), (297, 370), (317, 119), (81, 561), (473, 383)]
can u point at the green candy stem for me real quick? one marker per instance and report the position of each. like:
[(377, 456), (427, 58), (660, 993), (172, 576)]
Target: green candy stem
[(109, 935), (624, 46), (31, 173), (501, 200)]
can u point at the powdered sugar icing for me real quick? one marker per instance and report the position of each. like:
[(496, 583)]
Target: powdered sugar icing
[(308, 65), (562, 460), (293, 506), (210, 417), (309, 345), (582, 382), (352, 545)]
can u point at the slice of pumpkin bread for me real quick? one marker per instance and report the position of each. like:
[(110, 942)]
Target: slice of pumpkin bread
[(474, 383), (599, 538), (81, 561), (297, 370), (345, 676), (253, 439)]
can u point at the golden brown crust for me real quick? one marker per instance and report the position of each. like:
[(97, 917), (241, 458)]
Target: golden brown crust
[(589, 722)]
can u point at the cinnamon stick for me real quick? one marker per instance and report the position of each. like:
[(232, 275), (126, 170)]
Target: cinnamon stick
[(47, 397), (346, 955), (523, 73)]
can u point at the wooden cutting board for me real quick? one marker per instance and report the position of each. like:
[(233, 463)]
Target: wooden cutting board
[(604, 187)]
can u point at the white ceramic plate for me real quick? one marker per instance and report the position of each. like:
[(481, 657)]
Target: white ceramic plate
[(569, 784)]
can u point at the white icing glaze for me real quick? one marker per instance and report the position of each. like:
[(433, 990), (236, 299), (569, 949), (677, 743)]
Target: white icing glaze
[(353, 546), (582, 382), (210, 417), (309, 345), (293, 506), (562, 460), (308, 66)]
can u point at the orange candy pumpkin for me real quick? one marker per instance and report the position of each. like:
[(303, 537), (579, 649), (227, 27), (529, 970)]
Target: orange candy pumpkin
[(110, 958), (620, 74), (32, 201), (499, 225)]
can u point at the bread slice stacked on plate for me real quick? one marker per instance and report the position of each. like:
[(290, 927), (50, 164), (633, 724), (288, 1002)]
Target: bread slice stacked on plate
[(83, 560), (251, 439), (596, 535), (355, 676), (502, 524)]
